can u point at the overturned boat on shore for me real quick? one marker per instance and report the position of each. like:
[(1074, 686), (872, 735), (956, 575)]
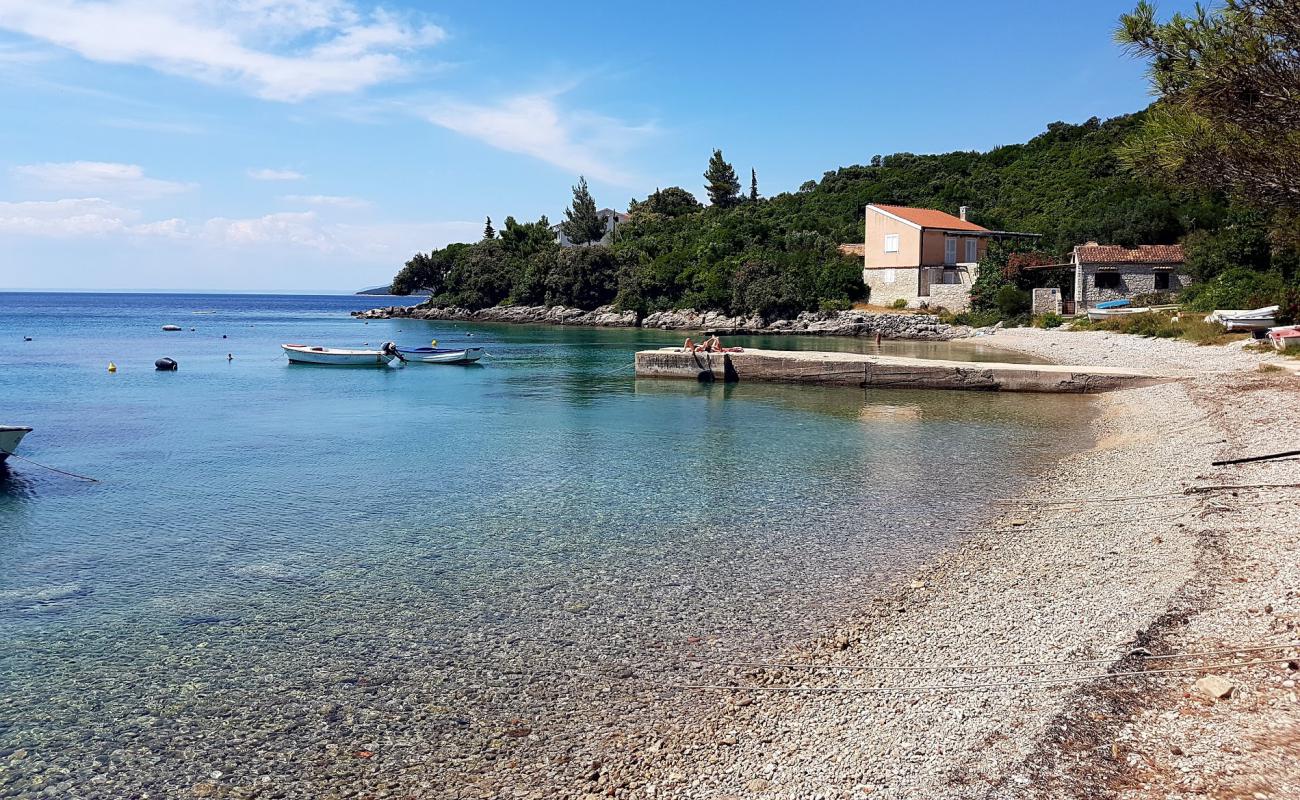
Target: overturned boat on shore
[(1256, 319)]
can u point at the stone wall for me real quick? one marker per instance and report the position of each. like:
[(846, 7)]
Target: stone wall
[(954, 297), (1134, 280), (1046, 301), (823, 323), (904, 286)]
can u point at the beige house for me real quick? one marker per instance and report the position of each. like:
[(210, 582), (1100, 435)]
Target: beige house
[(922, 256)]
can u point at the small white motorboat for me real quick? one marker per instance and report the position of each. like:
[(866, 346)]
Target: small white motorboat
[(1285, 338), (1256, 319), (1098, 314), (340, 357), (171, 328), (438, 355), (10, 436)]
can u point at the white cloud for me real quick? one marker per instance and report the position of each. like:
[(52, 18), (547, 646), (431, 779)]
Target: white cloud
[(275, 175), (77, 217), (291, 227), (578, 141), (334, 201), (98, 218), (285, 50), (97, 177)]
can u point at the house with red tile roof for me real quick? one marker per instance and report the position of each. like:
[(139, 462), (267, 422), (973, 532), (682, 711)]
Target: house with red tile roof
[(1111, 272), (922, 255)]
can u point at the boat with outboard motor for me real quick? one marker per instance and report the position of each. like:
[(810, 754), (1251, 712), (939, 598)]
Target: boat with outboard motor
[(10, 436), (342, 357), (441, 355)]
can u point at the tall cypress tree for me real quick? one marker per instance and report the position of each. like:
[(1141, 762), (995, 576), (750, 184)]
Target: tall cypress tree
[(488, 231), (582, 224), (753, 185), (723, 186)]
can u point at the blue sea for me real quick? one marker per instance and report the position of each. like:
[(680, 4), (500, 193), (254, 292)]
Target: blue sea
[(290, 580)]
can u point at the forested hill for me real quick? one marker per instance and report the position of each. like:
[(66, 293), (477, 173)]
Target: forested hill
[(1066, 184), (778, 256)]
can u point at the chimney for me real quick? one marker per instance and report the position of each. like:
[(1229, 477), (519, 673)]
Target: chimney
[(961, 212)]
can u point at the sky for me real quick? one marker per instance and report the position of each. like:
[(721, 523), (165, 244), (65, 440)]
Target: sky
[(314, 145)]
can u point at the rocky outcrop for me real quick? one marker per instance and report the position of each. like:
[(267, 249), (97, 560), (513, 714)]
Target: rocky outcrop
[(824, 323), (603, 317)]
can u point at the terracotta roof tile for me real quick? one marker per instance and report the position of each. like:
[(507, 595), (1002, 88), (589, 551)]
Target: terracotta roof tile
[(929, 218), (854, 249), (1142, 254)]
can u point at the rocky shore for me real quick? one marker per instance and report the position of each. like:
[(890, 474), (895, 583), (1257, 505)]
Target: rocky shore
[(823, 323), (984, 673)]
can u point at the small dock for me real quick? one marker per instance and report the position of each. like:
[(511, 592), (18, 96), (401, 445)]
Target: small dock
[(886, 372)]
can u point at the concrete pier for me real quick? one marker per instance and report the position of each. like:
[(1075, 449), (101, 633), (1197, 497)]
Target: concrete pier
[(886, 372)]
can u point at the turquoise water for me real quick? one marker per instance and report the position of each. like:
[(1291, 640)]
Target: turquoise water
[(285, 563)]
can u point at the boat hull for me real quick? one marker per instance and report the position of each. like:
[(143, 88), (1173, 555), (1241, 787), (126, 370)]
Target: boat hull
[(10, 436), (1099, 314), (325, 356), (427, 355)]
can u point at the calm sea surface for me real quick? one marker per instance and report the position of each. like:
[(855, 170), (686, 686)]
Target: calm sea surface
[(285, 563)]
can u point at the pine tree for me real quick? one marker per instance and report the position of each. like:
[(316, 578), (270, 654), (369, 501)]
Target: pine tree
[(723, 186), (753, 185), (488, 231), (582, 223)]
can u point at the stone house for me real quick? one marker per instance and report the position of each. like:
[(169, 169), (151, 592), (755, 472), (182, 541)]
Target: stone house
[(609, 216), (1111, 272)]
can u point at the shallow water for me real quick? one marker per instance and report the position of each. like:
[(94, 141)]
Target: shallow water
[(292, 560)]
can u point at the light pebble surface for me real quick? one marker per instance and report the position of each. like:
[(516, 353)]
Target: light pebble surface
[(1130, 560)]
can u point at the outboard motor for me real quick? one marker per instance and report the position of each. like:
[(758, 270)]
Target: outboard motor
[(390, 349), (166, 365)]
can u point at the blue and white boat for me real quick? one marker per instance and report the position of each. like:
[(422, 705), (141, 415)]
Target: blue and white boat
[(441, 355), (1114, 308), (10, 436)]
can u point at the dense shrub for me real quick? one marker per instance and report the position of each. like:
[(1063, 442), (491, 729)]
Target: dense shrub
[(1236, 287), (1012, 302), (1049, 320)]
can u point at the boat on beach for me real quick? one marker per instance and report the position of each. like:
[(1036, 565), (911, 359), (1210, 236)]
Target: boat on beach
[(1285, 338), (1256, 319), (10, 436), (441, 355), (1107, 311), (340, 357)]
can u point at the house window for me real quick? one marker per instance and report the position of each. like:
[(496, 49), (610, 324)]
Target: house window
[(950, 276), (972, 250), (889, 276), (891, 243), (1162, 281), (950, 249), (1106, 280)]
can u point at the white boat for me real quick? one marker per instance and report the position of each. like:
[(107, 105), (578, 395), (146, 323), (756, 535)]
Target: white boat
[(1099, 314), (10, 436), (1285, 338), (339, 357), (436, 355), (171, 327), (1256, 319)]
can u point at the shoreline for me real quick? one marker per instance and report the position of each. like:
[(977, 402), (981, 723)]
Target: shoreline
[(1126, 560), (927, 327)]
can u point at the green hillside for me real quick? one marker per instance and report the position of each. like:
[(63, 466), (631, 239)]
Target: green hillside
[(778, 256)]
